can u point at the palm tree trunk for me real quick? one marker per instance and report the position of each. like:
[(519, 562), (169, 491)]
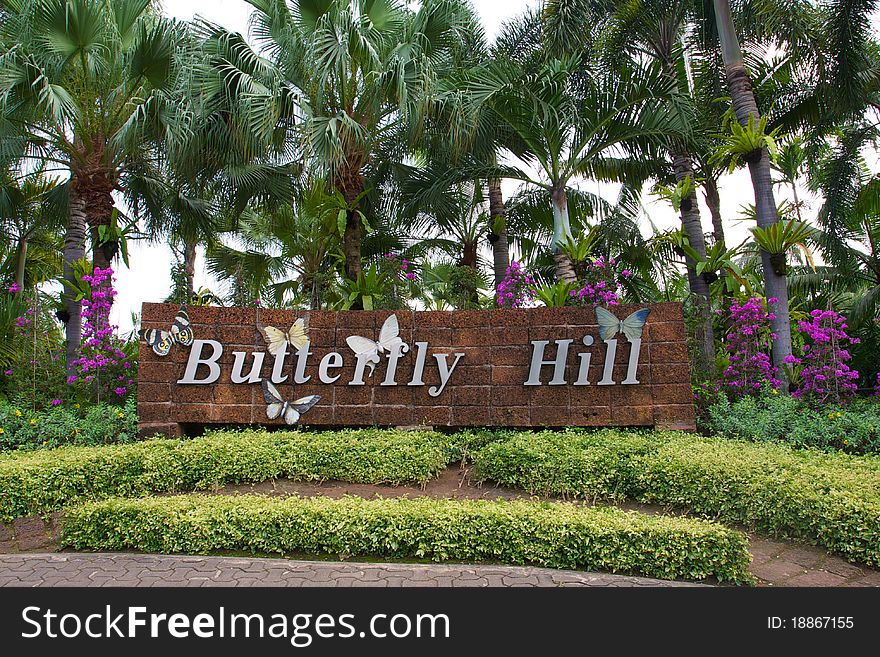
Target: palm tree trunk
[(744, 104), (713, 200), (189, 267), (692, 226), (500, 247), (21, 259), (99, 253), (74, 250), (351, 244), (561, 233)]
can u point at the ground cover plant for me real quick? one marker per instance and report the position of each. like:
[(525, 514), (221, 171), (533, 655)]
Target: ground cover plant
[(48, 480), (556, 535), (832, 500)]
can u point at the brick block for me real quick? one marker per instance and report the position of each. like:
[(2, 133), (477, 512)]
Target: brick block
[(669, 352), (434, 336), (509, 375), (470, 416), (591, 416), (508, 396), (548, 395), (432, 415), (354, 415), (550, 416), (632, 416), (664, 332), (232, 394), (471, 319), (154, 392), (470, 396), (510, 416), (153, 412), (513, 355), (399, 395), (474, 375)]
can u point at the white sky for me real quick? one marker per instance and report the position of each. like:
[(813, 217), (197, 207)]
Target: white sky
[(149, 278)]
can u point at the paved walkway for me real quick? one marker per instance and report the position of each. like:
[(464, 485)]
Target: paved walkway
[(774, 562), (160, 570)]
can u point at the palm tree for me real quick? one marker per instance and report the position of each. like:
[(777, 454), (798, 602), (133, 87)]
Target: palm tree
[(746, 108), (568, 124), (655, 29), (88, 87), (353, 75), (30, 218)]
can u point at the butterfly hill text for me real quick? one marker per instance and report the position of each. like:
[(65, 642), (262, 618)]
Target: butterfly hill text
[(288, 352)]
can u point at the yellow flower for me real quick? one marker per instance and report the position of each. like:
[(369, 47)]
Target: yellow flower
[(775, 391), (33, 422), (120, 415), (845, 441), (838, 413), (17, 413), (1, 431), (831, 416), (76, 405)]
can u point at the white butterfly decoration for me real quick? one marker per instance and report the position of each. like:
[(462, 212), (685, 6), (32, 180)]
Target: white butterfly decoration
[(181, 333), (631, 327), (277, 340), (389, 340), (278, 407)]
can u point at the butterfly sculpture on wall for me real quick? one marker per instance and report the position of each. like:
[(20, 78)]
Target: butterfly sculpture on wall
[(631, 327), (277, 340), (389, 340), (276, 406), (181, 333)]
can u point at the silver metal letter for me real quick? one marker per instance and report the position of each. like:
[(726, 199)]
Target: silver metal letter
[(635, 350), (393, 357), (538, 347), (420, 364), (584, 359), (333, 360), (253, 376), (608, 372), (302, 357), (445, 372), (195, 359), (277, 376)]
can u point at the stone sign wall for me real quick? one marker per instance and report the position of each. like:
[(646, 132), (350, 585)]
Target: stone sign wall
[(538, 367)]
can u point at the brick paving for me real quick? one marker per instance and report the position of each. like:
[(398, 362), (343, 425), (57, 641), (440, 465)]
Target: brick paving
[(774, 563), (107, 570)]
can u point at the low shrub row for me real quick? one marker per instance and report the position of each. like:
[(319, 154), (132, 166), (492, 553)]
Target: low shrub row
[(853, 428), (67, 423), (829, 499), (47, 480), (557, 535)]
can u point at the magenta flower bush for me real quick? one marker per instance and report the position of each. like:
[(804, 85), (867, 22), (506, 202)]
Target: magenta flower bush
[(517, 289), (102, 364), (748, 344), (825, 376), (600, 284)]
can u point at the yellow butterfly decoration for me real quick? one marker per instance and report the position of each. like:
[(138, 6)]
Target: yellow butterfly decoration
[(277, 340)]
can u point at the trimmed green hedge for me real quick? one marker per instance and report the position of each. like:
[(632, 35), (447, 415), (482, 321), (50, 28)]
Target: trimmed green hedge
[(48, 480), (556, 535), (829, 499)]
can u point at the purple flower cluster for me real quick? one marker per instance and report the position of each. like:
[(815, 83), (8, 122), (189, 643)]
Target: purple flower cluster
[(517, 289), (600, 284), (15, 287), (825, 376), (99, 350), (748, 344), (404, 264)]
